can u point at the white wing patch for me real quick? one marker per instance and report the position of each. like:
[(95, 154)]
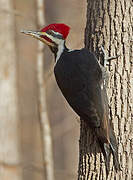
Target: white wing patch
[(70, 50), (102, 86)]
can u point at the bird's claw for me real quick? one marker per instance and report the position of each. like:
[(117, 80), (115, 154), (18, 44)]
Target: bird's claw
[(107, 59)]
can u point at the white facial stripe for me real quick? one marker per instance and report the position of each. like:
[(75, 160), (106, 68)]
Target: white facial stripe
[(57, 33), (54, 39), (59, 42)]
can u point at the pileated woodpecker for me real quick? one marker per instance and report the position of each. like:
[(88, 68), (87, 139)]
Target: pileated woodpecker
[(80, 78)]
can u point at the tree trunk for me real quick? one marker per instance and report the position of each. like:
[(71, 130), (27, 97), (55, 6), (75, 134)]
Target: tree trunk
[(44, 120), (31, 153), (109, 24), (9, 132)]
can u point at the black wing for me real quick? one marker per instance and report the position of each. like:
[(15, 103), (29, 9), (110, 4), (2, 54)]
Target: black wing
[(79, 77)]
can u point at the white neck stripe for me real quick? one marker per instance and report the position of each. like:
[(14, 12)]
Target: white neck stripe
[(60, 50)]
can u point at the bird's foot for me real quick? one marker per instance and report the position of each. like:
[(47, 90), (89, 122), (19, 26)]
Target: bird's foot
[(107, 59)]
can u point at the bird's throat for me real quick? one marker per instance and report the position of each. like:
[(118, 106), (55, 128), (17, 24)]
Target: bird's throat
[(58, 50)]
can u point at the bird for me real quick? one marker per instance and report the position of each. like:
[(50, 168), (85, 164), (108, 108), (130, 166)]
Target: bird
[(81, 79)]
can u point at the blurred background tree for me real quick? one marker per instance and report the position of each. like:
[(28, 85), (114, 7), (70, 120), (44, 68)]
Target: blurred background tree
[(9, 118), (24, 116)]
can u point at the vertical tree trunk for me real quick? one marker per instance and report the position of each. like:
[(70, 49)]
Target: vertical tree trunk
[(44, 121), (9, 132), (109, 24), (31, 143)]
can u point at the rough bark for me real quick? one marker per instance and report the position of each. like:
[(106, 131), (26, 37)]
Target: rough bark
[(9, 124), (109, 23)]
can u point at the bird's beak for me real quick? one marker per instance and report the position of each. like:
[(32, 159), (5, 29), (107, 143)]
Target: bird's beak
[(38, 35)]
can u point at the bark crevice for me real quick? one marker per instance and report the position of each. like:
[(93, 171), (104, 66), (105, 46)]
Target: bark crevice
[(109, 23)]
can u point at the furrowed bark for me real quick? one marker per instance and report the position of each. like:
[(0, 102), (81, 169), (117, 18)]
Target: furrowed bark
[(109, 23)]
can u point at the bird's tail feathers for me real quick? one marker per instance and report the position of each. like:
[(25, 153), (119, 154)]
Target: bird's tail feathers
[(109, 148), (114, 151), (105, 147)]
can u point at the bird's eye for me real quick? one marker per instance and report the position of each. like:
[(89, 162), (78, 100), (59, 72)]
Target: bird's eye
[(49, 32)]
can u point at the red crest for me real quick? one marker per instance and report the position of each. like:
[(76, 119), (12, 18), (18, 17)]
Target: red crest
[(60, 28)]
